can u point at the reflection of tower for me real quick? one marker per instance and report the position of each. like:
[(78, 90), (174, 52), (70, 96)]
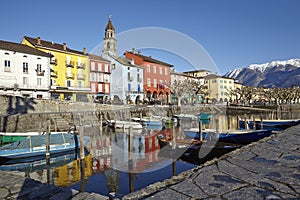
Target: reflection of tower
[(110, 42), (112, 179)]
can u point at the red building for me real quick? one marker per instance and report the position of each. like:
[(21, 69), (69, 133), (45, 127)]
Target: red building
[(100, 78), (156, 76)]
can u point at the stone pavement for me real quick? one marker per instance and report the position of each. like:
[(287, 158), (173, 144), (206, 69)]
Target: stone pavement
[(14, 186), (267, 169)]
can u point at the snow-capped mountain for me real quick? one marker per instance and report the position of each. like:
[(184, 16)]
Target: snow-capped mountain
[(273, 74)]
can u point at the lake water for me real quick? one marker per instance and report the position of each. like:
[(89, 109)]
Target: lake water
[(119, 164)]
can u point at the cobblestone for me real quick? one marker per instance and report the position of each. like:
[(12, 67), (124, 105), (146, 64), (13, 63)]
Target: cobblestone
[(267, 169)]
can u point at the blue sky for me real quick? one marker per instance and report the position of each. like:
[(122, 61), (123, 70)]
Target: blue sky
[(235, 33)]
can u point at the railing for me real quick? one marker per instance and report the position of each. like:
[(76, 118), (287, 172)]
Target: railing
[(54, 74), (81, 77), (140, 80), (40, 72), (53, 61), (130, 78), (69, 75), (69, 63), (80, 65)]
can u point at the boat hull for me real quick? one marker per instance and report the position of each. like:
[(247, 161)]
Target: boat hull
[(275, 125), (231, 137), (20, 151)]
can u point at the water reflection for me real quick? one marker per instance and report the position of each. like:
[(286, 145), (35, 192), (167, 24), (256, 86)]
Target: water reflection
[(120, 163)]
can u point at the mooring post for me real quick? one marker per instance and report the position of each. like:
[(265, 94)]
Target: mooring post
[(101, 128), (200, 131), (130, 148), (48, 140), (254, 123), (261, 121), (81, 142), (217, 128), (141, 116), (238, 122)]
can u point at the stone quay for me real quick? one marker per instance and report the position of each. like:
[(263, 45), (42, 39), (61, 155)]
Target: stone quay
[(267, 169)]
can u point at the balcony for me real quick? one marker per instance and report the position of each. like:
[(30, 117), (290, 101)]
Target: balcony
[(130, 78), (53, 61), (80, 65), (69, 63), (40, 72), (81, 77), (70, 75), (54, 74), (139, 80)]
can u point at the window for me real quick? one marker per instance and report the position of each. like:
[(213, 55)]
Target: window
[(154, 82), (25, 67), (106, 68), (129, 78), (160, 70), (39, 81), (154, 69), (113, 66), (148, 68), (92, 66), (79, 84), (139, 88), (166, 71), (25, 80), (99, 67), (7, 65), (69, 83), (39, 67), (129, 86), (148, 82), (93, 87), (138, 77)]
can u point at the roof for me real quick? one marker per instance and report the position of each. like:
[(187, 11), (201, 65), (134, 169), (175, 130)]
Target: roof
[(11, 46), (125, 61), (150, 59), (99, 58), (212, 76), (199, 70), (109, 26), (51, 45)]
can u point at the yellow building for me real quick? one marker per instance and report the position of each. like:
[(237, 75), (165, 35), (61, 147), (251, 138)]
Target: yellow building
[(69, 70), (218, 88), (198, 73)]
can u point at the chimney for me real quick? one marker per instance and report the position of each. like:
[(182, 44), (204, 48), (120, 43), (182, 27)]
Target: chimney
[(38, 40), (65, 47), (84, 51), (133, 50)]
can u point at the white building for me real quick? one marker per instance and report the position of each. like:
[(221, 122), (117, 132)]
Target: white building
[(126, 77), (24, 71)]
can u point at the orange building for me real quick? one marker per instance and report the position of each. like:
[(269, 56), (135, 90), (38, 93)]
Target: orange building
[(156, 76)]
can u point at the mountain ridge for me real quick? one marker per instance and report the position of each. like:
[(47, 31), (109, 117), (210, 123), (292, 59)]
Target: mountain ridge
[(284, 73)]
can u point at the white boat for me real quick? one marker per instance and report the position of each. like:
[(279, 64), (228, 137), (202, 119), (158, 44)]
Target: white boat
[(124, 124)]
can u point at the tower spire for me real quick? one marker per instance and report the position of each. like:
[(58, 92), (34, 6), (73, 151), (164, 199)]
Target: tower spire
[(110, 42)]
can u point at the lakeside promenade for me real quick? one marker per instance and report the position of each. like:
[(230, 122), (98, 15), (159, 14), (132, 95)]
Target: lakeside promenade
[(267, 169)]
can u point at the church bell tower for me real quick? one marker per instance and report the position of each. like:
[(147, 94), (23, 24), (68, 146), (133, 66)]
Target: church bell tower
[(110, 42)]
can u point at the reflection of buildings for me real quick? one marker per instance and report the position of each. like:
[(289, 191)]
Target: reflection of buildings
[(70, 173)]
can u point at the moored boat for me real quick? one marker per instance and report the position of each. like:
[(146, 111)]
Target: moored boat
[(269, 124), (33, 148), (10, 137), (232, 136)]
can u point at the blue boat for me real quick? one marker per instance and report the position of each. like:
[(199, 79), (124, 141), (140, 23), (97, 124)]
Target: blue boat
[(274, 125), (231, 136), (34, 148), (205, 116)]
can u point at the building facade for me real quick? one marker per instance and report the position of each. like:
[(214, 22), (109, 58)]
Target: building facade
[(70, 70), (217, 88), (100, 72), (156, 76), (126, 77), (25, 71)]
